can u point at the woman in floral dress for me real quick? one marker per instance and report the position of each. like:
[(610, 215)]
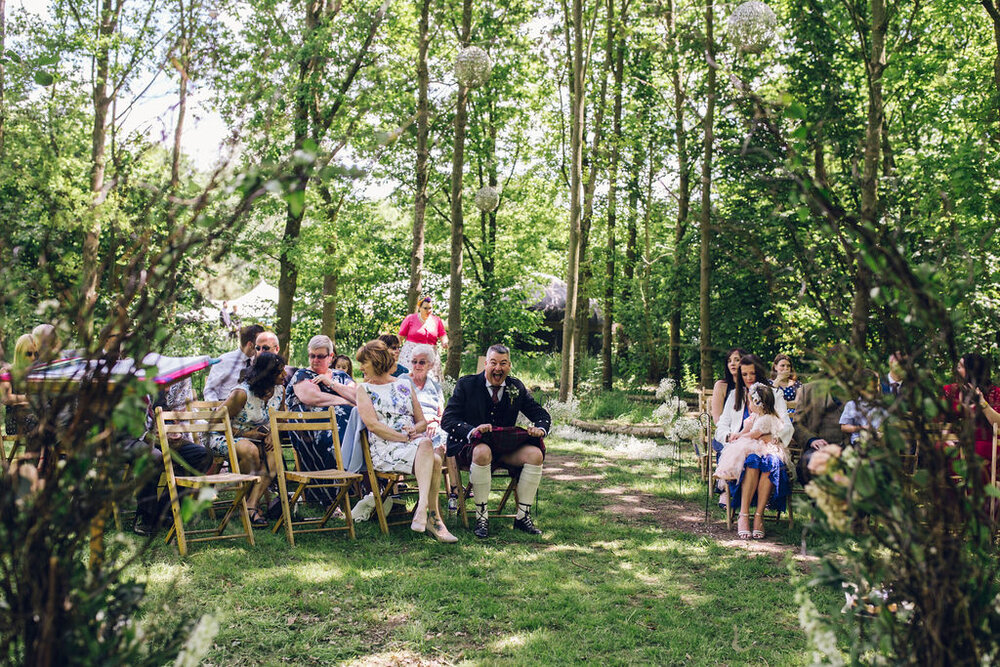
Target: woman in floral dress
[(390, 410)]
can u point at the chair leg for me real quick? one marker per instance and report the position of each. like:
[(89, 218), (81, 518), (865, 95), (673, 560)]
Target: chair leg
[(463, 511), (346, 506), (379, 508), (241, 500), (178, 527)]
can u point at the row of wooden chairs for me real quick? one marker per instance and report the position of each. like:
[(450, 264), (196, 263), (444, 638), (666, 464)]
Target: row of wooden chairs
[(336, 481)]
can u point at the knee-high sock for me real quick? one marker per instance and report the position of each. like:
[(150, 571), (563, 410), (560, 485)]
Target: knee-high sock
[(527, 486), (482, 479)]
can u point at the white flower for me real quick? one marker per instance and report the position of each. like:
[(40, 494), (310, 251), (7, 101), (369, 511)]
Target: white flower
[(563, 413), (199, 643), (818, 633), (666, 388), (685, 429)]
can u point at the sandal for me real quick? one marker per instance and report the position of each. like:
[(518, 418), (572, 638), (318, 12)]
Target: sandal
[(257, 518), (437, 529), (758, 533), (743, 534)]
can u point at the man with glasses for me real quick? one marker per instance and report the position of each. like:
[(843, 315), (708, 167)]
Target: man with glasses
[(226, 374), (480, 421)]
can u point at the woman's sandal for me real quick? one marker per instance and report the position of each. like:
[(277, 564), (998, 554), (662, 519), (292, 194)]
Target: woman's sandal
[(437, 529), (743, 534), (257, 518), (758, 534)]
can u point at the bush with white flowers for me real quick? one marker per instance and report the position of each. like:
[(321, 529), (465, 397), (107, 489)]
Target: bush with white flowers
[(473, 66), (671, 414), (751, 26), (563, 412)]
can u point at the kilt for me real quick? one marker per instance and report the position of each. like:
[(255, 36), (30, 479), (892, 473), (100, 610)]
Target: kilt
[(502, 440)]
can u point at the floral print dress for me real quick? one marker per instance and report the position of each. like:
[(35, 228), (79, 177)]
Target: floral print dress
[(255, 414), (393, 403)]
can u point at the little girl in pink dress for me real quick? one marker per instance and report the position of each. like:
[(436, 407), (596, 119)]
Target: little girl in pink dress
[(759, 436)]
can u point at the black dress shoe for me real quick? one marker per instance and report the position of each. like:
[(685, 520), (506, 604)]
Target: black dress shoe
[(482, 529), (143, 526), (526, 525)]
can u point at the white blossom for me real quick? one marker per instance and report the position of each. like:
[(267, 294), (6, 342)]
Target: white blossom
[(821, 638), (563, 412)]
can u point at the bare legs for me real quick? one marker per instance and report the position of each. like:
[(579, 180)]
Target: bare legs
[(427, 470), (754, 484), (248, 456)]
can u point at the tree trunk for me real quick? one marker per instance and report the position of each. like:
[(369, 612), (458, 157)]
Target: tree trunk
[(652, 348), (329, 324), (455, 341), (575, 208), (706, 205), (185, 61), (488, 245), (993, 9), (420, 197), (607, 378), (3, 47), (102, 102), (875, 67), (683, 194)]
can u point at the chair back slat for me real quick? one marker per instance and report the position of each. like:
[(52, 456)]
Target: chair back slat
[(286, 421), (197, 421)]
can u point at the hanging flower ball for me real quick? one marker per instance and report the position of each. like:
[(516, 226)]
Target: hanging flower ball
[(751, 26), (487, 199), (473, 66)]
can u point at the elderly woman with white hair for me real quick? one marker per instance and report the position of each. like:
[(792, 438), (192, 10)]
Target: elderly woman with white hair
[(311, 390), (424, 360)]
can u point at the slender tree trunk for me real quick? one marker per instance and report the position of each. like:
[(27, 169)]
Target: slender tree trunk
[(875, 67), (706, 204), (3, 47), (423, 122), (488, 231), (329, 324), (101, 102), (185, 62), (683, 191), (566, 376), (607, 332), (993, 9), (455, 337), (652, 348)]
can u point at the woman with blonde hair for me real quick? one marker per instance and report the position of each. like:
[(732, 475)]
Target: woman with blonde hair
[(18, 418), (421, 327), (390, 409)]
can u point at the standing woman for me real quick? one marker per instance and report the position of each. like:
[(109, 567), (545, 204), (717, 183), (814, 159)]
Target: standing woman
[(975, 398), (19, 418), (783, 378), (421, 327)]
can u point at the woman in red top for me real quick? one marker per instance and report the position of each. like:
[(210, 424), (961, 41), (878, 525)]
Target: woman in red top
[(421, 327), (976, 397)]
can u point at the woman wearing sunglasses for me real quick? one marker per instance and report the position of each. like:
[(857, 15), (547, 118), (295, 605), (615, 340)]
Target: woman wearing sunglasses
[(311, 390), (18, 418)]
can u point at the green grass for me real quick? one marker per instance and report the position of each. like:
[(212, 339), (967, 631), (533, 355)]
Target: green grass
[(616, 405), (595, 587)]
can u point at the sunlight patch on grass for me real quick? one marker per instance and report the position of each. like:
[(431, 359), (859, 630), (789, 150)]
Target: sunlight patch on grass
[(512, 642)]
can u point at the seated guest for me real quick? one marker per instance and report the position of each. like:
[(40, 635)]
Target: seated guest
[(861, 414), (783, 377), (817, 423), (765, 479), (724, 387), (151, 509), (893, 381), (313, 389), (390, 410), (19, 418), (480, 419), (49, 345), (392, 342), (225, 375), (974, 397), (249, 405), (431, 397), (267, 341), (342, 362)]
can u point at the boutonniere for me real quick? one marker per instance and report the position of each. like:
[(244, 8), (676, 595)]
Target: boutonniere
[(513, 392)]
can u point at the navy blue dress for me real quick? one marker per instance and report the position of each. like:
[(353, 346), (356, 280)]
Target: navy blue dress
[(769, 465)]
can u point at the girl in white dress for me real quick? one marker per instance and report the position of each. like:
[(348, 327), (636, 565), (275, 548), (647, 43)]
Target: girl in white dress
[(759, 435)]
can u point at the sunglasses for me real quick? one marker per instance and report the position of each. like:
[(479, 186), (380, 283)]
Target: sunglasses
[(422, 362), (31, 354), (318, 356), (263, 348)]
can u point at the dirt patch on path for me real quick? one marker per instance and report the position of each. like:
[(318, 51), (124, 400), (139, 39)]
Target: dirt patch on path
[(639, 507)]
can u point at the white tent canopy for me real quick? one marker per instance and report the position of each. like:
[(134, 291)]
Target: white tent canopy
[(257, 304)]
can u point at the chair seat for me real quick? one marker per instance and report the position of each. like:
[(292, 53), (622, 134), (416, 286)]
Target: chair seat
[(311, 475), (218, 478)]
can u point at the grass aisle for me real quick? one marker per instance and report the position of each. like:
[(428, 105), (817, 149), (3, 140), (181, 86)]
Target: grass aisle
[(603, 586)]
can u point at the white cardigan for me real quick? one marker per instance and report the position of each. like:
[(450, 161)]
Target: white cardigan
[(731, 420)]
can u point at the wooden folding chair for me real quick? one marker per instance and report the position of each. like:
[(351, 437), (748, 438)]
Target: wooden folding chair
[(704, 452), (204, 422), (333, 478), (381, 492), (9, 444), (498, 513)]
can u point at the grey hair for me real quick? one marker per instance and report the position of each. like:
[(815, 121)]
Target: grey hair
[(498, 349), (319, 341), (423, 349)]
